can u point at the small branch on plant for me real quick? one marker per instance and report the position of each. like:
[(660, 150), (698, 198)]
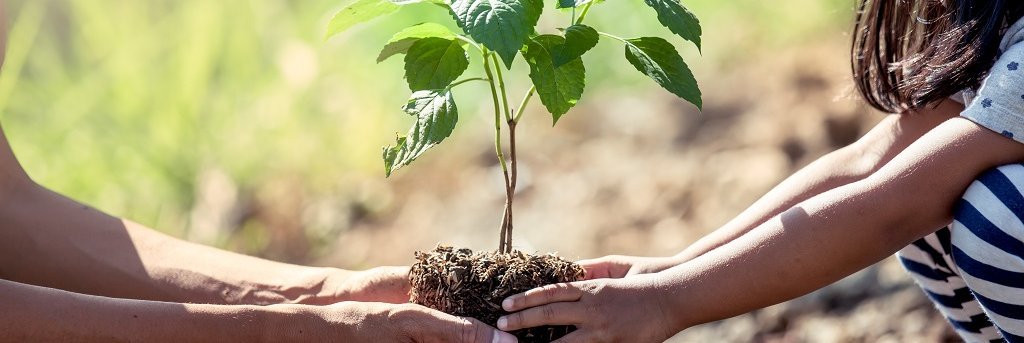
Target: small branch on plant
[(612, 36), (456, 83), (471, 42), (522, 104), (583, 14), (501, 87)]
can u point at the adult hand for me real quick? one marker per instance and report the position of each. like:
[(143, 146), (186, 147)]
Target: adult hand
[(381, 322), (603, 310), (618, 266), (381, 284)]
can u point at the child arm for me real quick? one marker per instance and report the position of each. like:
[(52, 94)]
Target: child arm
[(846, 165), (810, 245)]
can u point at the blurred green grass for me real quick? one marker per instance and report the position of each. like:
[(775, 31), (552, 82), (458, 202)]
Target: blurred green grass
[(123, 103)]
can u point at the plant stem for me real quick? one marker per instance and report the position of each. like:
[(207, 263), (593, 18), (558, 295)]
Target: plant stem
[(502, 246), (612, 36), (501, 85), (456, 83), (510, 180), (586, 9), (471, 42), (522, 105), (515, 176), (505, 244)]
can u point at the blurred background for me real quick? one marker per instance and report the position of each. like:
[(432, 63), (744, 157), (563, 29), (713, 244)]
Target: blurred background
[(235, 123)]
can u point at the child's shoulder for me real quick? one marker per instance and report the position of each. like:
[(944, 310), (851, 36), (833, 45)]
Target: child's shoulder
[(1013, 36), (998, 104)]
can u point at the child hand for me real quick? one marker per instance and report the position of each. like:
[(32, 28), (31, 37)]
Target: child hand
[(603, 310), (619, 266)]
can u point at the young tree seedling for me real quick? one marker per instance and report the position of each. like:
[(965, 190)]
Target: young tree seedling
[(496, 32)]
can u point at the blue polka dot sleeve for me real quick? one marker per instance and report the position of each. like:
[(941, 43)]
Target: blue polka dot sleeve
[(999, 102)]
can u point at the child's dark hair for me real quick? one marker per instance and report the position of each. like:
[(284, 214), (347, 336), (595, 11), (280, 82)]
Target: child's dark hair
[(908, 54)]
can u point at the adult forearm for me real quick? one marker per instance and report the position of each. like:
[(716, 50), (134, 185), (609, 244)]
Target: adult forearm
[(197, 273), (53, 241), (38, 314)]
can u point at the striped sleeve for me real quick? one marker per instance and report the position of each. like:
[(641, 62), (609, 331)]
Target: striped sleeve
[(988, 246)]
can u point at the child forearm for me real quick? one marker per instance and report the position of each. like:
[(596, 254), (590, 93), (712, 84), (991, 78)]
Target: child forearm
[(836, 169), (818, 241), (840, 231), (804, 248), (844, 166)]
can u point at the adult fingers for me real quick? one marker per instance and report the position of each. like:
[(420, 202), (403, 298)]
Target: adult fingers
[(551, 314), (447, 328), (474, 331), (597, 268), (607, 267), (649, 265), (645, 268)]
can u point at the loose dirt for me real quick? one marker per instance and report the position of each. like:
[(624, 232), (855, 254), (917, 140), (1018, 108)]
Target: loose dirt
[(463, 283)]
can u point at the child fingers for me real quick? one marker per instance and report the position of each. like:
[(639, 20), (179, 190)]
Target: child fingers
[(552, 314), (542, 295)]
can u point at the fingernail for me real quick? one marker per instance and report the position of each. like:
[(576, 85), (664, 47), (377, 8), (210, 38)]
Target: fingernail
[(503, 323), (507, 304), (501, 337)]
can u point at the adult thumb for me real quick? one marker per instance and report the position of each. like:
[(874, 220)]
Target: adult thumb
[(470, 330)]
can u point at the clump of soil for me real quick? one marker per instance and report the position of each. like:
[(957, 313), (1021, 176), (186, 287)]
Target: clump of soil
[(463, 283)]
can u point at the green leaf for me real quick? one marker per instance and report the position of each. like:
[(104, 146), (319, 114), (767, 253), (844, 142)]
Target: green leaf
[(559, 88), (677, 19), (433, 63), (500, 25), (401, 41), (658, 59), (359, 12), (436, 116), (579, 39)]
